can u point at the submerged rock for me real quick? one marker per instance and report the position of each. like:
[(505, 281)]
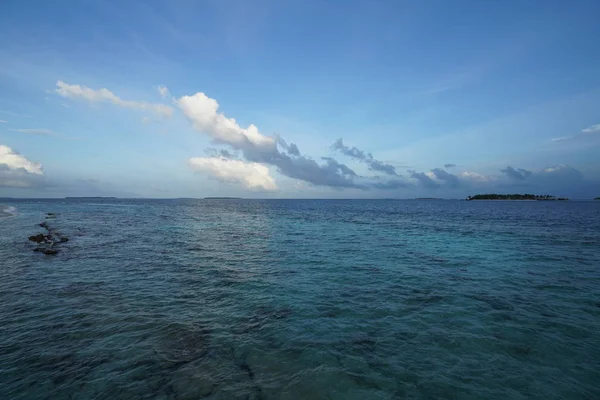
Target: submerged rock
[(39, 238), (48, 240), (46, 251)]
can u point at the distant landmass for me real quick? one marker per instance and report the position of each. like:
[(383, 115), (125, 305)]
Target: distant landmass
[(597, 198), (90, 197), (222, 198), (429, 198), (537, 197)]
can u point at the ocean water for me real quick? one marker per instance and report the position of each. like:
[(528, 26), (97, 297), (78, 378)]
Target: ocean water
[(301, 299)]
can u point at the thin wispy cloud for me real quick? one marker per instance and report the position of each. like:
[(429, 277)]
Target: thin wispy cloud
[(2, 121), (14, 114), (591, 129), (105, 95), (163, 91), (43, 132), (586, 132)]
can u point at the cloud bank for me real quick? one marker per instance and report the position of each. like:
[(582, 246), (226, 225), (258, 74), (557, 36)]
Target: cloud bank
[(516, 174), (203, 113), (105, 95), (251, 175)]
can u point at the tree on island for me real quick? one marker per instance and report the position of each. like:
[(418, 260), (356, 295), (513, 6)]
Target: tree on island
[(527, 196)]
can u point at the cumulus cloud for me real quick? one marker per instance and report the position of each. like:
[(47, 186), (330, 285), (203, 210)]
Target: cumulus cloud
[(203, 113), (37, 131), (449, 165), (252, 175), (452, 180), (367, 158), (17, 171), (424, 179), (476, 177), (163, 91), (561, 172), (105, 95), (14, 161), (516, 174), (291, 148)]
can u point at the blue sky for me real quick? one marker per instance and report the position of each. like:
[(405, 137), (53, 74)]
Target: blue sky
[(250, 98)]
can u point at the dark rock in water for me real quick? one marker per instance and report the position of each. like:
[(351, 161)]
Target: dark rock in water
[(39, 238), (46, 251), (63, 239), (50, 215), (44, 225), (245, 367)]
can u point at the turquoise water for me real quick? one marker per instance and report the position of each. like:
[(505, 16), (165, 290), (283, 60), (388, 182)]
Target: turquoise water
[(301, 299)]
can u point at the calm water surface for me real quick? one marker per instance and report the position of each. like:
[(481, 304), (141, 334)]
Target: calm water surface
[(248, 299)]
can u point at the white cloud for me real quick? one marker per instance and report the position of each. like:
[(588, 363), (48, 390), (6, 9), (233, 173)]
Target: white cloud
[(474, 176), (431, 175), (562, 139), (45, 132), (591, 129), (202, 111), (250, 174), (14, 161), (163, 91), (105, 95), (2, 121)]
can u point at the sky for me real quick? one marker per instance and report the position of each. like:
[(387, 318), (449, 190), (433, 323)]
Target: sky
[(299, 99)]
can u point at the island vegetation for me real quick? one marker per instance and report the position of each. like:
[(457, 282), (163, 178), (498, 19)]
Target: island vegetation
[(538, 197), (597, 198)]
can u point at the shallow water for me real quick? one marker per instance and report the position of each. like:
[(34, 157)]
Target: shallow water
[(302, 299)]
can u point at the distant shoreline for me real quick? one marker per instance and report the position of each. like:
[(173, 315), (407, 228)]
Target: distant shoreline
[(515, 197)]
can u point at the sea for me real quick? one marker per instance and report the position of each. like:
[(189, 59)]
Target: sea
[(300, 299)]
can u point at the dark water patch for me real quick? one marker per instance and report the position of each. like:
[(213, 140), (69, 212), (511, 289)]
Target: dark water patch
[(183, 343), (81, 288), (493, 302)]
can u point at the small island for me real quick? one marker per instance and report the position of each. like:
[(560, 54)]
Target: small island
[(597, 198), (534, 197)]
